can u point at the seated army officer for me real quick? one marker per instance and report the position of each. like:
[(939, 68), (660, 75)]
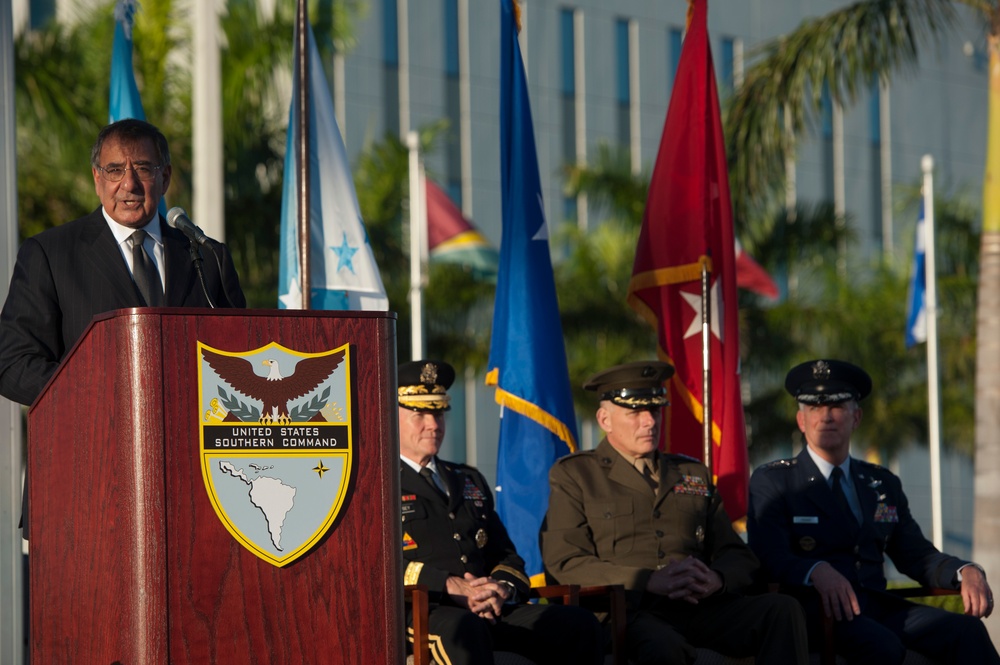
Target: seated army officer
[(627, 514), (822, 522), (455, 543)]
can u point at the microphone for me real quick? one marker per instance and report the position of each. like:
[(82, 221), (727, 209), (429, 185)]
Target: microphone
[(178, 219)]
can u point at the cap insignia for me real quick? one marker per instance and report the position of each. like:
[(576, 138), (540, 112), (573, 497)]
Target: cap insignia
[(429, 373), (821, 370)]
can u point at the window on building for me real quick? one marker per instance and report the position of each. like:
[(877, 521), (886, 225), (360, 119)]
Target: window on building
[(451, 37), (567, 102), (676, 40), (623, 93), (727, 67), (390, 64)]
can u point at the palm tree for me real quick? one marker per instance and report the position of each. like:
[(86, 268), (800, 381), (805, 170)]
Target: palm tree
[(840, 52)]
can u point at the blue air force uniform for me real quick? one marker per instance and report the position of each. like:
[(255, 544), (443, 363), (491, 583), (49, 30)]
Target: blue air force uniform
[(795, 522)]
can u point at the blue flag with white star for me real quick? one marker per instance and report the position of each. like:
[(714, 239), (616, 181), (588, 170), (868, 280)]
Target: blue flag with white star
[(916, 307), (342, 266), (527, 355)]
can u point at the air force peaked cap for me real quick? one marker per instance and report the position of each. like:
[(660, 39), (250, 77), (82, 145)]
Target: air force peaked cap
[(637, 385), (423, 385), (827, 382)]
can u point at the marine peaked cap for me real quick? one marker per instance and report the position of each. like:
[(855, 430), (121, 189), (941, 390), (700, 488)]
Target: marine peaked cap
[(827, 382), (637, 385), (423, 385)]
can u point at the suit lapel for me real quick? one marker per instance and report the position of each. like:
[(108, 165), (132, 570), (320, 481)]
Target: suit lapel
[(176, 257), (867, 493), (670, 476), (620, 471), (453, 481), (101, 250), (415, 483), (820, 494)]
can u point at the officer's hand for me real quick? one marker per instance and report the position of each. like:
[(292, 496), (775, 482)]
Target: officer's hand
[(481, 595), (839, 600), (976, 593), (689, 580)]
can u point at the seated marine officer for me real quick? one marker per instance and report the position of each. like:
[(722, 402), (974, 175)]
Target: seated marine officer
[(454, 542), (625, 513)]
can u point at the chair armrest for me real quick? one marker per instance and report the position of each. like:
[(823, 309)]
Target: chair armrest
[(923, 592), (416, 596), (568, 594)]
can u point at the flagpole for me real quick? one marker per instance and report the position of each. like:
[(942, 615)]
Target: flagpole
[(933, 381), (417, 231), (706, 363), (302, 152)]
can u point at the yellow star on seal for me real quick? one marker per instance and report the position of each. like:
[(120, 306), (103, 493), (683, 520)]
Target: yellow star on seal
[(320, 469)]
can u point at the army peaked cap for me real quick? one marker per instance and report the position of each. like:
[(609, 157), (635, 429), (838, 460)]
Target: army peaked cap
[(637, 385), (423, 385), (827, 382)]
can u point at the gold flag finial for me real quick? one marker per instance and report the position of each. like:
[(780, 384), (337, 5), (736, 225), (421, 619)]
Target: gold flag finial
[(517, 15), (690, 15)]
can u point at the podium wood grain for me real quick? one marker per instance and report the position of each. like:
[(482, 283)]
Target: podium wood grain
[(129, 562)]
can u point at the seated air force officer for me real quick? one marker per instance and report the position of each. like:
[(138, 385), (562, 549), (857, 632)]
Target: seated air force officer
[(454, 542), (628, 514), (822, 522)]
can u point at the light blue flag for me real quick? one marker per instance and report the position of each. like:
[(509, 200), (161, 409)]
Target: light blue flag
[(343, 270), (916, 306), (125, 101), (527, 355)]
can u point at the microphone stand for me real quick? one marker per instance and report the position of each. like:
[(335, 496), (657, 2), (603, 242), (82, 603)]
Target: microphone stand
[(196, 261)]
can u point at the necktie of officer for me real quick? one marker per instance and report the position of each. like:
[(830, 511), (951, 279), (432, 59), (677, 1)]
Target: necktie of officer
[(146, 276), (840, 497), (428, 475), (647, 467)]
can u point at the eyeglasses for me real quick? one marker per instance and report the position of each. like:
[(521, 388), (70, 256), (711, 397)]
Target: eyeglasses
[(116, 173)]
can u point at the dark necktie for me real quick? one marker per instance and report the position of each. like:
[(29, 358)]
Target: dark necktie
[(146, 276), (428, 475), (840, 497)]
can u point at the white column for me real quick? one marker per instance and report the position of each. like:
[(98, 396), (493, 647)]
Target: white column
[(208, 195), (418, 226), (933, 380), (340, 92), (12, 620)]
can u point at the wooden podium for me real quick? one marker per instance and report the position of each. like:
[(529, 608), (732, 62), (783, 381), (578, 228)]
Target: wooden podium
[(130, 561)]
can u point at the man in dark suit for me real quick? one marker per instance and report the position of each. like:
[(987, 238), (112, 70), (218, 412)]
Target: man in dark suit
[(822, 522), (454, 542), (66, 275), (627, 514)]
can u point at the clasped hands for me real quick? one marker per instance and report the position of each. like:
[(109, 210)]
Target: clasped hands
[(841, 603), (689, 580), (483, 595)]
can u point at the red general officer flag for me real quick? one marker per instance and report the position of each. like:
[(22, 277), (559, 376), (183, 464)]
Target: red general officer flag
[(688, 223)]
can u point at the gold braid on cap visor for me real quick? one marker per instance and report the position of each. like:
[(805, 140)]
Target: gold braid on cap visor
[(637, 402), (422, 397)]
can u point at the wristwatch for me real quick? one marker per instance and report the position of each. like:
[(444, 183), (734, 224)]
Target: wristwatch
[(511, 591)]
